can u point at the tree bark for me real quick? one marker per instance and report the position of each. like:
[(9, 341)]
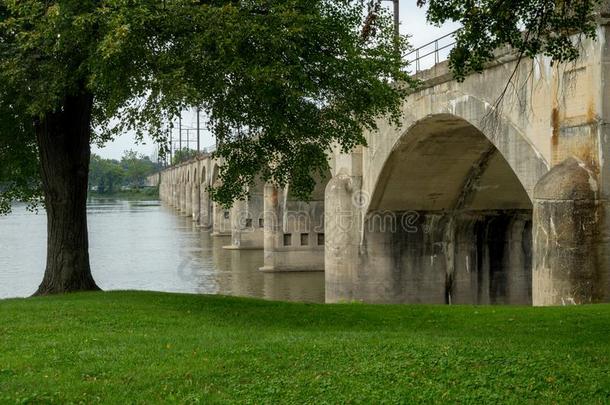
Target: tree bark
[(64, 146)]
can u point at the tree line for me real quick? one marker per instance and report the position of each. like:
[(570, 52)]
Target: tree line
[(107, 176)]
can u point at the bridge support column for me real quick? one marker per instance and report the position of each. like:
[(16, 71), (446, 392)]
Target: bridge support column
[(570, 251), (221, 224), (246, 222), (183, 198), (294, 238), (273, 229), (196, 202), (176, 196), (342, 229), (189, 200), (205, 216)]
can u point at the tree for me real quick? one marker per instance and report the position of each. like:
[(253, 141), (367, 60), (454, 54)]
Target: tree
[(105, 174), (281, 80), (183, 155), (137, 168), (531, 27)]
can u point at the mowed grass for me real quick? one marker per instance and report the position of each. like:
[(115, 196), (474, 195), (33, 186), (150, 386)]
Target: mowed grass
[(138, 347)]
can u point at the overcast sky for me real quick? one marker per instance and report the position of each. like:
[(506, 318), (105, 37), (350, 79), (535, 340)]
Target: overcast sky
[(413, 23)]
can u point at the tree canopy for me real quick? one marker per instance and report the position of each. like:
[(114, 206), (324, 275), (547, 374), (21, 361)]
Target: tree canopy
[(281, 80), (531, 27)]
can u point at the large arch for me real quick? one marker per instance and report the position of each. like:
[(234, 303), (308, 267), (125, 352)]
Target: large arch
[(434, 163), (449, 219), (449, 108)]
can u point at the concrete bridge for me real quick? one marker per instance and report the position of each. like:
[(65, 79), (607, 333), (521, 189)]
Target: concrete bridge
[(469, 201)]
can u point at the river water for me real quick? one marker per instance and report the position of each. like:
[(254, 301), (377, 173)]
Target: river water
[(144, 245)]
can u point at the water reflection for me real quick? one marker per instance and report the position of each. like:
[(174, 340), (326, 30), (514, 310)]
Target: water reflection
[(146, 246)]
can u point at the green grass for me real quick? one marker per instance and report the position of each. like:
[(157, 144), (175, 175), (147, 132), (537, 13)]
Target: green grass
[(136, 347)]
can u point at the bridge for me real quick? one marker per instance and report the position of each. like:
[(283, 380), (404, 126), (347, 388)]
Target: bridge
[(472, 200)]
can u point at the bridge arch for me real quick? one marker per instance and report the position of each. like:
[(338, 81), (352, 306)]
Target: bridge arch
[(442, 161), (449, 108), (449, 218)]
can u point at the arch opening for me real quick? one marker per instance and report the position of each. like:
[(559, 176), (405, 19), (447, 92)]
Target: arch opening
[(449, 220)]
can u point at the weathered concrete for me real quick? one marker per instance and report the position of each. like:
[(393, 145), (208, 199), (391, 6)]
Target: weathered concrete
[(294, 230), (442, 208), (569, 266), (247, 220)]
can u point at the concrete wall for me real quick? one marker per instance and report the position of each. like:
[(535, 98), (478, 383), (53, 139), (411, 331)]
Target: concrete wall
[(294, 231), (469, 168)]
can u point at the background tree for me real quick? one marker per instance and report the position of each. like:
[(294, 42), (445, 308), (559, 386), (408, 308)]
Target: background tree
[(183, 155), (105, 175), (137, 168), (281, 80), (531, 27)]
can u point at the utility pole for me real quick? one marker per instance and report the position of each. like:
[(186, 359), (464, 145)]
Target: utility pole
[(171, 144), (180, 131), (396, 19), (198, 134)]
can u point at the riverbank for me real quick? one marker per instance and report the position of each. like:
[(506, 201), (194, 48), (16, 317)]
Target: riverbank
[(126, 347), (145, 193)]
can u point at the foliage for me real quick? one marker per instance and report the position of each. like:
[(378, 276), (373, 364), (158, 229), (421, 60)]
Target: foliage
[(137, 168), (18, 158), (137, 347), (107, 176), (532, 27), (281, 80), (183, 155)]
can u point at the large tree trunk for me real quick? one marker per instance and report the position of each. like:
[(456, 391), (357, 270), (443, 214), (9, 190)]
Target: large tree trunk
[(63, 142)]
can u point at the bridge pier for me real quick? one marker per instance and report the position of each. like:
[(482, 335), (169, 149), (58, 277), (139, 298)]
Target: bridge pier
[(176, 196), (294, 231), (221, 223), (247, 221), (342, 230), (569, 264), (181, 191), (205, 217), (188, 191), (196, 201)]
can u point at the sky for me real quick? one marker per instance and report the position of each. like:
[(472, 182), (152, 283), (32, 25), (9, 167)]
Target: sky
[(412, 22)]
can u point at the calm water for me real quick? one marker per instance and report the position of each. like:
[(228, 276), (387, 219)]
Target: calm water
[(143, 245)]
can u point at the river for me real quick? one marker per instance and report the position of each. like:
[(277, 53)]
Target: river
[(144, 245)]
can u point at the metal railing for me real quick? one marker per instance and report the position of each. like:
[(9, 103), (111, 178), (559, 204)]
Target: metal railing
[(432, 48)]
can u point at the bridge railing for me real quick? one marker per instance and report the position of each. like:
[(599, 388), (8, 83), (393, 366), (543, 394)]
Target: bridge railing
[(431, 53)]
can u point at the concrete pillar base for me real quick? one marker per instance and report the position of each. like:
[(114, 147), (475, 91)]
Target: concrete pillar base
[(569, 249)]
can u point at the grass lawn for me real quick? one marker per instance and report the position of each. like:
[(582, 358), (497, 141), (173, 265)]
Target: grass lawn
[(137, 347)]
